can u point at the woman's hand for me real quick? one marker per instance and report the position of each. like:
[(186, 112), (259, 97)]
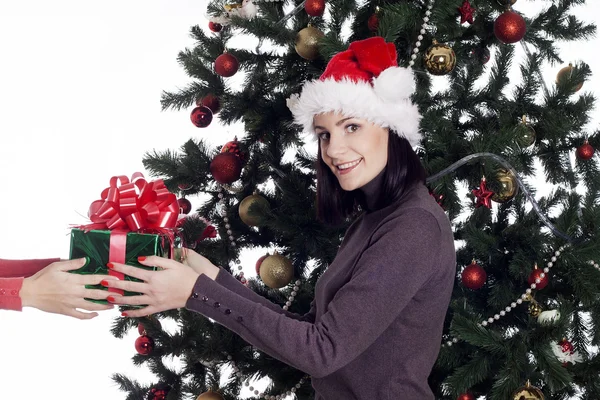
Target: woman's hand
[(55, 290), (162, 290)]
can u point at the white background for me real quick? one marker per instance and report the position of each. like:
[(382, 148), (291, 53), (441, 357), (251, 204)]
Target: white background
[(80, 85)]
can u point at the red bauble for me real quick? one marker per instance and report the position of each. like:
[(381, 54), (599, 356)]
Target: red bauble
[(211, 101), (373, 22), (185, 206), (184, 186), (226, 65), (585, 151), (259, 261), (483, 196), (226, 168), (473, 276), (466, 396), (566, 346), (234, 147), (535, 274), (213, 26), (315, 8), (510, 27), (144, 345), (201, 116)]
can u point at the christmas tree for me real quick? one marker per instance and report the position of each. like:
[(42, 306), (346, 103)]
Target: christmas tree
[(522, 320)]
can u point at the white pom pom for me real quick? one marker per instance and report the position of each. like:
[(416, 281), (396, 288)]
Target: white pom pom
[(394, 83)]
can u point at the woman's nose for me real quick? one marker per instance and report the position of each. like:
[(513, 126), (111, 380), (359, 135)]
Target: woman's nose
[(336, 146)]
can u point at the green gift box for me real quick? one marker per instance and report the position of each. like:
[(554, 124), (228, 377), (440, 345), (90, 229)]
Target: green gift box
[(95, 244)]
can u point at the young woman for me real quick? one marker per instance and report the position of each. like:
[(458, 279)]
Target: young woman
[(380, 306), (46, 285)]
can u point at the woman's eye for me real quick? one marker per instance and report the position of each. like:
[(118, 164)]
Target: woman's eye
[(323, 136), (352, 128)]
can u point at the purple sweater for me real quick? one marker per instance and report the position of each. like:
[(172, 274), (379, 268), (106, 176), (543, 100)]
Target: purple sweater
[(374, 329)]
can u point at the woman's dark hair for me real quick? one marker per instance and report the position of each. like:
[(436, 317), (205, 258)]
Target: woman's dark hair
[(403, 170)]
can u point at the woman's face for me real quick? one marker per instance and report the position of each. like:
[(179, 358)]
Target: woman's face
[(353, 148)]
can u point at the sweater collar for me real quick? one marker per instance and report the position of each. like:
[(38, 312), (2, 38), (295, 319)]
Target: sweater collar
[(373, 192)]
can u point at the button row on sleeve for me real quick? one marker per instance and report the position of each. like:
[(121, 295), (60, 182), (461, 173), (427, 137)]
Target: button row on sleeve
[(216, 304)]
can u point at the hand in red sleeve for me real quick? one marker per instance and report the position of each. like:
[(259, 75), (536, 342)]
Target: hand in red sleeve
[(166, 289), (55, 290)]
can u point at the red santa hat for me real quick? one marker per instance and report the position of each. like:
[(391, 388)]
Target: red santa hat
[(363, 82)]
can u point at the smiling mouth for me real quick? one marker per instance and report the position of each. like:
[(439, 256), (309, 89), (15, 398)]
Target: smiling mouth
[(347, 167)]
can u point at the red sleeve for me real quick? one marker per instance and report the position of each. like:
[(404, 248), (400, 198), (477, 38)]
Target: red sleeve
[(9, 293), (23, 268)]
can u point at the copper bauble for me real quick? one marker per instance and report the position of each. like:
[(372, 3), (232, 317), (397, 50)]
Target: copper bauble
[(226, 65), (585, 151), (507, 186), (565, 73), (525, 133), (473, 276), (439, 59), (276, 271), (510, 27), (307, 43), (252, 219), (226, 168), (528, 392), (210, 395), (466, 396)]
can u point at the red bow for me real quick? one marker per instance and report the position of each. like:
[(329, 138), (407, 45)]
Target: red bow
[(122, 207)]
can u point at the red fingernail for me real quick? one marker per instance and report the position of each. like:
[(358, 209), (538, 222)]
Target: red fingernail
[(141, 258), (124, 314), (104, 282), (110, 265), (111, 299)]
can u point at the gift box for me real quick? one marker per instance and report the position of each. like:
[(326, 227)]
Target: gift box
[(133, 218), (95, 244)]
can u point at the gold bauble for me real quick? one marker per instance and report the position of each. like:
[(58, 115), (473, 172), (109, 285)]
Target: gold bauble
[(210, 395), (507, 186), (525, 134), (439, 59), (528, 392), (565, 73), (252, 219), (276, 271), (535, 309), (307, 42)]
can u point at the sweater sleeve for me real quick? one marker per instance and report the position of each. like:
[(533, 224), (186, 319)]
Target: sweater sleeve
[(9, 294), (23, 268), (228, 281), (398, 261), (12, 273)]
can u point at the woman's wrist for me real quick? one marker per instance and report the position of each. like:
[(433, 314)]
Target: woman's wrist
[(27, 293)]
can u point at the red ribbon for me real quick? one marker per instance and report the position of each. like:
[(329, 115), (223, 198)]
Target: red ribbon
[(133, 206)]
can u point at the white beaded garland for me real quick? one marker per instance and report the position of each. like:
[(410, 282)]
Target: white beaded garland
[(525, 296), (422, 32)]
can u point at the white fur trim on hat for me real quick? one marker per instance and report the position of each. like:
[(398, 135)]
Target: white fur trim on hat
[(386, 103)]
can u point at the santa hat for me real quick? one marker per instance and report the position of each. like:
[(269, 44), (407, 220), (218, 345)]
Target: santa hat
[(363, 82)]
